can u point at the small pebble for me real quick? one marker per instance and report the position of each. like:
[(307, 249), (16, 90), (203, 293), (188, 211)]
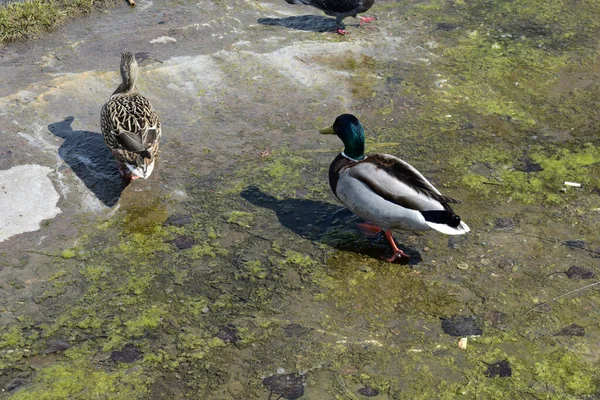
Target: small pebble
[(577, 244), (178, 220), (368, 391), (128, 355), (426, 249), (506, 263), (228, 334), (289, 386), (15, 384), (462, 343), (55, 346), (504, 223), (456, 241), (446, 26), (296, 330), (462, 266), (496, 318), (500, 368), (577, 272), (183, 242)]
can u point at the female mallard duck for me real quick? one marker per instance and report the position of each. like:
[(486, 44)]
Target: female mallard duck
[(130, 126), (340, 9), (386, 190)]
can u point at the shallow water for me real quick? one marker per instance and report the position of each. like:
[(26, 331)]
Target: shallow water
[(233, 273)]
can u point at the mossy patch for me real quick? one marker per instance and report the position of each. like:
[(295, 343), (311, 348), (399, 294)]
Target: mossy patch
[(83, 380), (31, 17), (553, 166)]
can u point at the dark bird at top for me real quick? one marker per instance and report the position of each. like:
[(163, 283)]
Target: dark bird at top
[(386, 190), (340, 9)]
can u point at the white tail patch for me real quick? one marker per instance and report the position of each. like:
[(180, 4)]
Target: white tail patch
[(141, 171), (448, 230)]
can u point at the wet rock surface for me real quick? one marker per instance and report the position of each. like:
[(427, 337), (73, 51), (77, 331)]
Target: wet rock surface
[(183, 242), (56, 345), (179, 220), (129, 354), (461, 326), (504, 223), (571, 330), (575, 244), (228, 334), (287, 386), (296, 330), (368, 391), (500, 369), (15, 384), (577, 272)]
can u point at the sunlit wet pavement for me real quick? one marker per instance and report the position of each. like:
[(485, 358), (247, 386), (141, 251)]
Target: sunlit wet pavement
[(234, 273)]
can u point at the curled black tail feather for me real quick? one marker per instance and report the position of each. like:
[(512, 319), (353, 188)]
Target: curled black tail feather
[(442, 217)]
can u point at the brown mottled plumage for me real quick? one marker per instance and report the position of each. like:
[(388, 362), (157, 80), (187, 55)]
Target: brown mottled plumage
[(130, 126)]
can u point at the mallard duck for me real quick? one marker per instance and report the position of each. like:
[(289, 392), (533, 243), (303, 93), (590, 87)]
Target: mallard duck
[(386, 190), (340, 9), (130, 126)]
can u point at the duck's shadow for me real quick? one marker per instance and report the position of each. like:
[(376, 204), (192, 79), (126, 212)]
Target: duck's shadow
[(325, 223), (311, 23), (89, 158)]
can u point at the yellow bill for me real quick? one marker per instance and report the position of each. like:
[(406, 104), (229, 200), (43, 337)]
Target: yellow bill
[(327, 131)]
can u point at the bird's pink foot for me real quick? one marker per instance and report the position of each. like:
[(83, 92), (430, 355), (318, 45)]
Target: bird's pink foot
[(134, 177), (366, 20), (369, 229), (397, 252), (342, 31), (125, 174)]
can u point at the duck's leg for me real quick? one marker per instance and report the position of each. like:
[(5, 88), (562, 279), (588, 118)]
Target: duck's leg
[(125, 174), (340, 27), (369, 229), (397, 251), (366, 20)]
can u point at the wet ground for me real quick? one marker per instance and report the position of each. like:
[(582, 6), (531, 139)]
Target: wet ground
[(233, 273)]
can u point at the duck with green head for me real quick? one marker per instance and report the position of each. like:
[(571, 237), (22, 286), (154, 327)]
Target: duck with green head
[(386, 190)]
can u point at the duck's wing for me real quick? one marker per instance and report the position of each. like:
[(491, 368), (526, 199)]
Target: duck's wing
[(130, 123), (399, 182)]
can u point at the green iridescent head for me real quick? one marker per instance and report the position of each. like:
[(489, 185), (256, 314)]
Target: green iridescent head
[(348, 128)]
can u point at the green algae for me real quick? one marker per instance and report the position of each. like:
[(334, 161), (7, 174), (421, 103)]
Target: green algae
[(553, 166), (68, 254), (240, 218), (81, 380)]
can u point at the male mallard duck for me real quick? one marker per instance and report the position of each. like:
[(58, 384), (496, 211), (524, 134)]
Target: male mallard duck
[(130, 126), (340, 9), (385, 190)]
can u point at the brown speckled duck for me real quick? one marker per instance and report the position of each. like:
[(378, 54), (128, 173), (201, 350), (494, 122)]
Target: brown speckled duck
[(130, 126)]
